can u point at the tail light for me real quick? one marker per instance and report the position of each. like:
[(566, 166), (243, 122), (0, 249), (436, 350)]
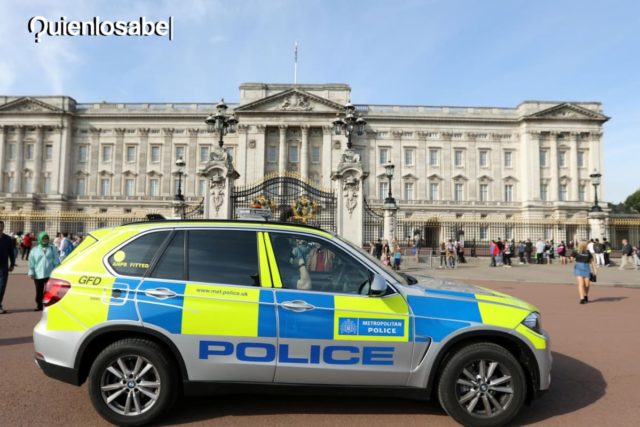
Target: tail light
[(54, 291)]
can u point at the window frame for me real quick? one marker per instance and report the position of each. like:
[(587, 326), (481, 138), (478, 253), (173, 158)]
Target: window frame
[(455, 158), (159, 159), (154, 260), (315, 148), (134, 150), (484, 164), (410, 154), (435, 152), (508, 154), (386, 150)]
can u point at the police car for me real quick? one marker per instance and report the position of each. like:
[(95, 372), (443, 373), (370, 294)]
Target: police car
[(148, 311)]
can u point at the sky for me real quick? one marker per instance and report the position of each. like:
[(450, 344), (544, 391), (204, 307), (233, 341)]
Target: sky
[(403, 52)]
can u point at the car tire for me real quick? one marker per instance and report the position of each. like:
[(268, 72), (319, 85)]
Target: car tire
[(482, 385), (132, 382)]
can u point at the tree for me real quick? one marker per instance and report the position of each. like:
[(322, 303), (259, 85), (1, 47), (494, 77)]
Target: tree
[(633, 201)]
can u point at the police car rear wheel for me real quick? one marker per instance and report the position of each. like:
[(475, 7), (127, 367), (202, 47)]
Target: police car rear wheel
[(482, 385), (132, 383)]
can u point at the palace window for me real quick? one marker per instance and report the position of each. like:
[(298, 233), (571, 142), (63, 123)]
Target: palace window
[(383, 190), (458, 158), (434, 157), (484, 232), (106, 153), (272, 154), (581, 159), (48, 152), (29, 152), (582, 193), (131, 153), (180, 152), (484, 159), (47, 185), (543, 158), (293, 153), (544, 192), (105, 186), (409, 156), (433, 191), (202, 186), (484, 192), (315, 154), (28, 184), (458, 193), (82, 153), (204, 153), (155, 153), (80, 186), (508, 159), (129, 187), (12, 151), (11, 184), (508, 193), (408, 190), (562, 159), (384, 156), (154, 187), (562, 193)]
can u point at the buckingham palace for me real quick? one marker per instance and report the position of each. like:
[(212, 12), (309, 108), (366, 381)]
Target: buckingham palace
[(531, 161)]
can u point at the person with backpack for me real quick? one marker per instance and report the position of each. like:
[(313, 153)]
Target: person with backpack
[(598, 251), (607, 251)]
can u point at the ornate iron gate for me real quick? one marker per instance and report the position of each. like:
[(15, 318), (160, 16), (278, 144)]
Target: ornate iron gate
[(373, 224), (290, 200)]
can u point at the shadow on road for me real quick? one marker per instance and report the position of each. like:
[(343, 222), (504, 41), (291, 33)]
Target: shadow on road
[(574, 385), (607, 299), (14, 341)]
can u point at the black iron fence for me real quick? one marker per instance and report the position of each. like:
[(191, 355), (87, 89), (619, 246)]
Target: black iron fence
[(373, 224), (77, 223)]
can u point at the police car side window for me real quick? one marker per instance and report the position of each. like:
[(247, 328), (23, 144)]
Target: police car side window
[(171, 263), (223, 257), (134, 258), (307, 263)]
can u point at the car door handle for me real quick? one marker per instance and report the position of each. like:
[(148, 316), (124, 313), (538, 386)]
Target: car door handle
[(297, 306), (160, 293)]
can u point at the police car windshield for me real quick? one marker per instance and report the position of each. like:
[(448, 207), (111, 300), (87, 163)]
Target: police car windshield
[(400, 279)]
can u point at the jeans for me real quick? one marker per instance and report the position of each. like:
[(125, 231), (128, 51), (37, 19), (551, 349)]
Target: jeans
[(40, 291), (4, 278)]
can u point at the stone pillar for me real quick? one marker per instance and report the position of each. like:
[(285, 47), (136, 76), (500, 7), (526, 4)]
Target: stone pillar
[(118, 159), (167, 159), (304, 153), (573, 165), (282, 151), (143, 148), (598, 225), (390, 221), (38, 167), (19, 159), (94, 158), (65, 152), (3, 169), (326, 155), (221, 174), (350, 197), (553, 167), (259, 155)]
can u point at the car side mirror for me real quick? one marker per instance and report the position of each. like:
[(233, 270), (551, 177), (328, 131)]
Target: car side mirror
[(378, 286)]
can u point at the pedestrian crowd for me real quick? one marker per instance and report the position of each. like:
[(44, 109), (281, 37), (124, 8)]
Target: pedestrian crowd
[(41, 254)]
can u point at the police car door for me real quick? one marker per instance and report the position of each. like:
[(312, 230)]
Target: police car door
[(214, 318), (328, 332)]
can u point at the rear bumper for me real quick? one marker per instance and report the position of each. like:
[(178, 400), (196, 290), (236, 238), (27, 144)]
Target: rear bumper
[(61, 373)]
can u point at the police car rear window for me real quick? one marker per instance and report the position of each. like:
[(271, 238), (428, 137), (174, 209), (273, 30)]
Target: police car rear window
[(134, 258)]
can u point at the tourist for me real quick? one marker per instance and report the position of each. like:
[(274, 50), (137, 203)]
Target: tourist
[(7, 262), (627, 252), (41, 263), (583, 269)]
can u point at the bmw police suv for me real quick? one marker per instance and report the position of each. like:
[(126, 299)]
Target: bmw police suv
[(148, 311)]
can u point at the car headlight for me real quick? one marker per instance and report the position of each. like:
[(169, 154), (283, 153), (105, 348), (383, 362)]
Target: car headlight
[(533, 322)]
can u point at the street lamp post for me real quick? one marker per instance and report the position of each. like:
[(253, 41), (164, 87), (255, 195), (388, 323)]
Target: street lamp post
[(388, 171), (595, 180), (349, 124), (180, 163), (220, 122)]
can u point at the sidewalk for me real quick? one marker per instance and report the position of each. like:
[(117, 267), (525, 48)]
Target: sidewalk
[(478, 268)]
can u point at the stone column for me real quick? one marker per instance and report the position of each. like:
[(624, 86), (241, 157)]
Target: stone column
[(37, 169), (390, 221), (553, 167), (304, 153), (94, 158), (597, 223), (167, 160), (573, 165), (282, 151), (221, 174), (447, 168), (143, 148), (259, 156), (19, 158), (242, 150), (471, 167), (65, 151), (326, 156), (3, 169), (118, 159)]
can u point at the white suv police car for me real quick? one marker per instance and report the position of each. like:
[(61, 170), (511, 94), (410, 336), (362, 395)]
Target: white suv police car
[(148, 311)]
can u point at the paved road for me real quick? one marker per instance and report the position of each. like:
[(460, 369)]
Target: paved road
[(595, 373)]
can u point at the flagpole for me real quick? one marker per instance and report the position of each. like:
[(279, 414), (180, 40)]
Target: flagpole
[(295, 63)]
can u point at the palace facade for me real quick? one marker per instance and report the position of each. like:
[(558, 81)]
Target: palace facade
[(532, 160)]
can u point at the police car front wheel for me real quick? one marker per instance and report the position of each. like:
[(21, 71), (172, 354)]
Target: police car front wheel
[(482, 385), (132, 382)]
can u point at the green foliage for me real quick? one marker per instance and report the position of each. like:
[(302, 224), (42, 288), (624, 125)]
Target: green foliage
[(633, 201)]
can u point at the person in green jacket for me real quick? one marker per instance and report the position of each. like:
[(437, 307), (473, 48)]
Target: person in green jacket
[(42, 260)]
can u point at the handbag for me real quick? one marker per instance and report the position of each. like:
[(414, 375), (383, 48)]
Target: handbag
[(593, 278)]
